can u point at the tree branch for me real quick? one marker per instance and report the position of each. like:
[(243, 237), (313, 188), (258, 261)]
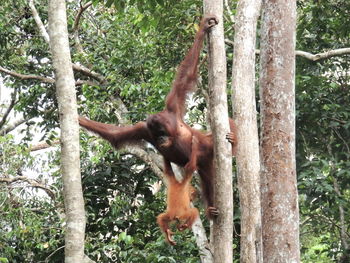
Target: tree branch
[(229, 42), (152, 159), (86, 82), (323, 55), (9, 109), (310, 56), (45, 35), (341, 138), (87, 72), (13, 126), (229, 11), (26, 77), (42, 146), (50, 80), (76, 26), (78, 16), (343, 234), (32, 183), (38, 21), (206, 255)]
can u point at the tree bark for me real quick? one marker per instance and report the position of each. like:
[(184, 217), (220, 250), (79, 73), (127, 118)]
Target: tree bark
[(343, 225), (280, 218), (248, 160), (70, 158), (223, 194), (205, 253)]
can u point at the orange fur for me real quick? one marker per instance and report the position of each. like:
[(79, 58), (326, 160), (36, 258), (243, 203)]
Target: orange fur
[(179, 196)]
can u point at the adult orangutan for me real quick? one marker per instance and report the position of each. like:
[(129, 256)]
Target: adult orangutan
[(167, 131)]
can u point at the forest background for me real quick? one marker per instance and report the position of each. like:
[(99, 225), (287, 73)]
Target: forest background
[(126, 56)]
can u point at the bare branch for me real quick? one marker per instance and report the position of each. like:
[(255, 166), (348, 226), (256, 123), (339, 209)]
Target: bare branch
[(87, 72), (342, 138), (152, 159), (323, 55), (25, 77), (343, 233), (6, 114), (86, 82), (310, 56), (42, 146), (77, 18), (38, 21), (229, 42), (54, 252), (32, 183), (229, 11), (9, 109), (206, 254), (13, 126), (51, 80), (76, 26)]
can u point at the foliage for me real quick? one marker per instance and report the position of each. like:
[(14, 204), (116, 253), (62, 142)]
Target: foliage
[(323, 153), (318, 248), (142, 67), (13, 157), (30, 228)]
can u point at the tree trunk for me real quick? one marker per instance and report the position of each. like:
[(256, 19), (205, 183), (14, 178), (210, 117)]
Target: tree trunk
[(248, 160), (202, 242), (280, 218), (223, 194), (70, 159)]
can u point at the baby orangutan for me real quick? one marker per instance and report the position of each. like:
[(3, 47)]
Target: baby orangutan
[(179, 197)]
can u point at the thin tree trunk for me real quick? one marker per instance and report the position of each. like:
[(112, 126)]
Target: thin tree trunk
[(70, 158), (202, 242), (248, 160), (343, 226), (280, 215), (223, 194)]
